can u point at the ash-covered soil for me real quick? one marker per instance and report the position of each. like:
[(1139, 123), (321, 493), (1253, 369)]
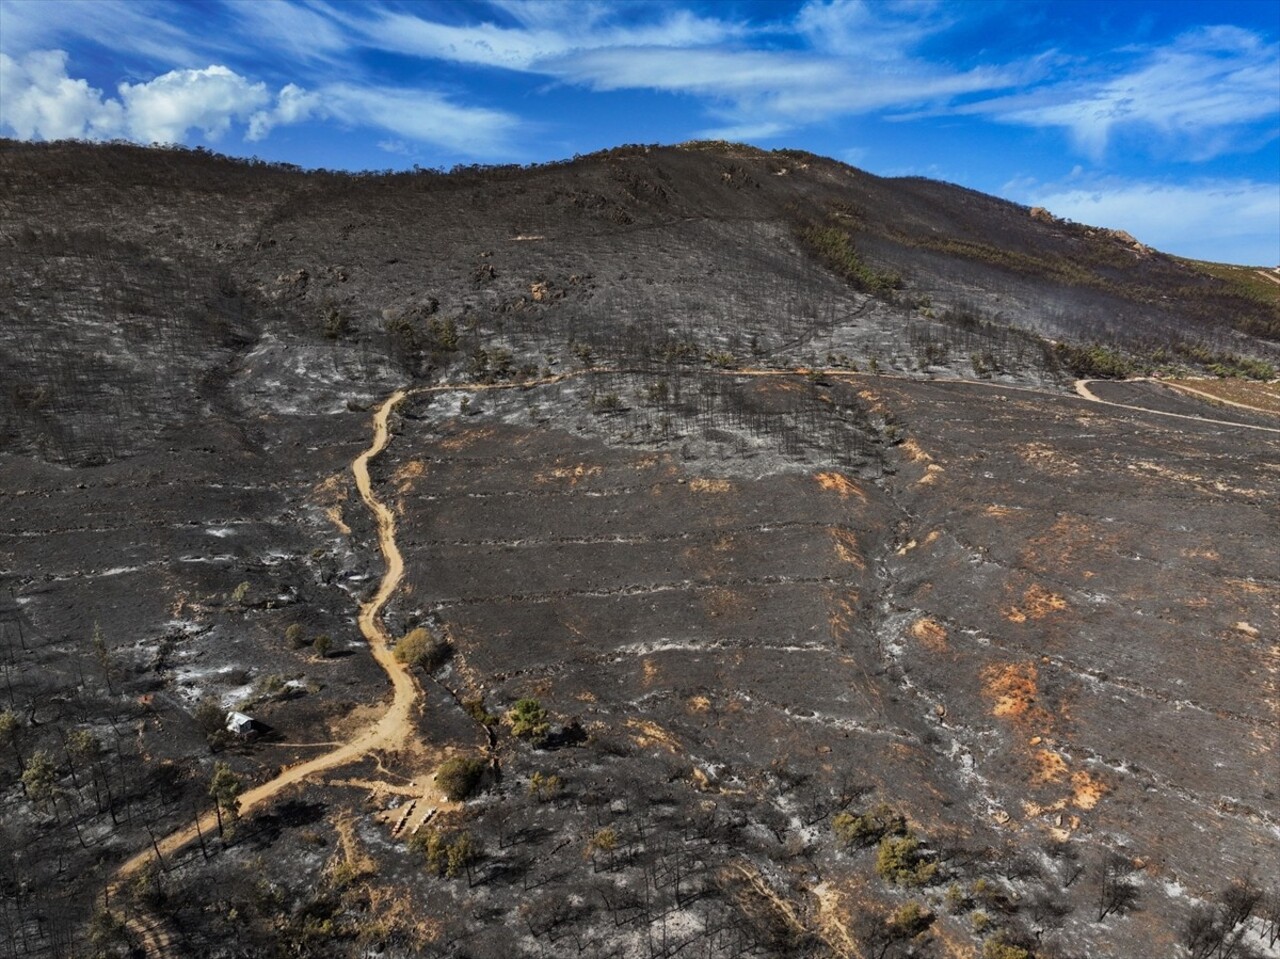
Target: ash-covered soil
[(856, 630)]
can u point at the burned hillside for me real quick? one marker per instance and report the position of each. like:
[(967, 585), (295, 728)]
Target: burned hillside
[(748, 565)]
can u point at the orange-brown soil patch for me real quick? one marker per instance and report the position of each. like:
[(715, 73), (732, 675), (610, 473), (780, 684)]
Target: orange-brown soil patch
[(467, 438), (1013, 690), (846, 547), (839, 483), (1037, 603), (1050, 767), (931, 633), (1086, 791)]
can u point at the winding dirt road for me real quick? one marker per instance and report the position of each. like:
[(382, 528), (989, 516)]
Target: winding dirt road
[(1082, 388), (392, 728)]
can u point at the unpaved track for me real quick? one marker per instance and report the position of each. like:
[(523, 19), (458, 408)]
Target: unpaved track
[(1082, 388), (1183, 388), (394, 725)]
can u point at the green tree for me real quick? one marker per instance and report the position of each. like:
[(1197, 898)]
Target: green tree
[(9, 726), (458, 777), (528, 720), (323, 645), (224, 789), (40, 780), (103, 655), (544, 787)]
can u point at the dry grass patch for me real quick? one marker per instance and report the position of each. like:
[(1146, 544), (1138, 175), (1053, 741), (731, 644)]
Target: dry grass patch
[(573, 474), (331, 495), (647, 733), (405, 476), (1045, 457), (706, 485), (1037, 603), (1262, 397)]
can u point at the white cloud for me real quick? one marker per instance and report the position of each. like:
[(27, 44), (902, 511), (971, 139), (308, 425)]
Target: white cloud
[(1231, 221), (41, 102), (857, 29), (294, 105), (164, 109), (302, 33), (1196, 94)]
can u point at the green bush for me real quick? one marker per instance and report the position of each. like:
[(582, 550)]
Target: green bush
[(900, 861), (997, 948), (447, 854), (870, 827), (910, 919), (834, 247), (295, 636), (458, 777), (1093, 362), (528, 720)]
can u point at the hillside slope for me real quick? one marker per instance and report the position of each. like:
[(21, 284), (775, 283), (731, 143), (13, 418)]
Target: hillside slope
[(857, 630)]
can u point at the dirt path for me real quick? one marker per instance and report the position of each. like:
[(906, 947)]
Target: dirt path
[(1082, 388), (1270, 275), (1183, 388), (394, 725)]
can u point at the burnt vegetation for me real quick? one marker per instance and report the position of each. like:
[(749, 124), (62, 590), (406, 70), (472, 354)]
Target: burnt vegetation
[(768, 592)]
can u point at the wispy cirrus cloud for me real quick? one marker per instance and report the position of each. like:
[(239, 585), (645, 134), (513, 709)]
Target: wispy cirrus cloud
[(836, 58), (1199, 95), (535, 36), (143, 28)]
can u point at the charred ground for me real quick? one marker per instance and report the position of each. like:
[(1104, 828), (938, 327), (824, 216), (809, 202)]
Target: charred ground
[(757, 604)]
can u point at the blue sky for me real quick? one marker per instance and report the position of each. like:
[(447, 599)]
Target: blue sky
[(1161, 118)]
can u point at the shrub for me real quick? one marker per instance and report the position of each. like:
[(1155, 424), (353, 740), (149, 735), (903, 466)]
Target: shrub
[(419, 648), (528, 720), (900, 861), (870, 827), (544, 787), (447, 854), (835, 248), (910, 919), (997, 948), (295, 636), (458, 777)]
